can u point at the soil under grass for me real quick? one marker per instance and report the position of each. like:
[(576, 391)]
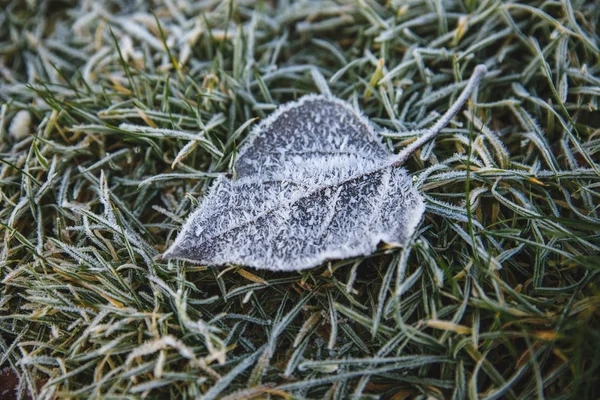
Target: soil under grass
[(116, 116)]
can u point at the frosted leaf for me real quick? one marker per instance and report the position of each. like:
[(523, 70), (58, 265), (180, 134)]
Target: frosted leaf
[(313, 183), (310, 187)]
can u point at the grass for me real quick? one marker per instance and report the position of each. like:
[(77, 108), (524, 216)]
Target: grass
[(134, 109)]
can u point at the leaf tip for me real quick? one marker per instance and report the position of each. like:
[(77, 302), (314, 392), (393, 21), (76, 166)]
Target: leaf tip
[(172, 252)]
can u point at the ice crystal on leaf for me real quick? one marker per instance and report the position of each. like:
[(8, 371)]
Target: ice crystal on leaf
[(313, 183)]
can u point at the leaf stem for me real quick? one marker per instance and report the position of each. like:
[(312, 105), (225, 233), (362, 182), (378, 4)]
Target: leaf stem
[(478, 73)]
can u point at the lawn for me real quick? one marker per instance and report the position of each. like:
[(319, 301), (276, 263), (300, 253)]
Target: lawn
[(116, 116)]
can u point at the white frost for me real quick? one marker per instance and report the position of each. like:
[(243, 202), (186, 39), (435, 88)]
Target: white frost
[(20, 126)]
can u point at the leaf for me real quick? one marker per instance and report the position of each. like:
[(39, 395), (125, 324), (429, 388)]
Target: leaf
[(313, 183), (308, 189)]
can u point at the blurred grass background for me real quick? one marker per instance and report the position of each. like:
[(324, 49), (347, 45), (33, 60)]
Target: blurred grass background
[(115, 116)]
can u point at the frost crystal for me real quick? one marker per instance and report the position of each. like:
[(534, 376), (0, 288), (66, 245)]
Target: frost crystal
[(310, 187)]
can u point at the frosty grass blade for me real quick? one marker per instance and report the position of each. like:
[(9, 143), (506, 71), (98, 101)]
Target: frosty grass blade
[(314, 183)]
